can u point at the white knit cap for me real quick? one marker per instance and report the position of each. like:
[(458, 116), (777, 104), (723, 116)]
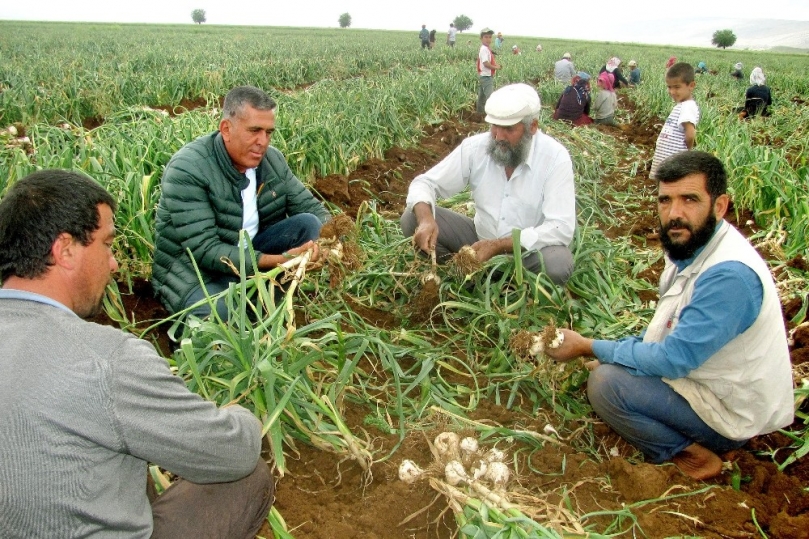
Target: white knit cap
[(511, 104)]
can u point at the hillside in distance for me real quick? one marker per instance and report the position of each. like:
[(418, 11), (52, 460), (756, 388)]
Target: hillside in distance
[(761, 34)]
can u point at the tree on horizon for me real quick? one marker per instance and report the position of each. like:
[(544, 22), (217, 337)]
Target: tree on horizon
[(198, 16), (724, 38), (345, 20), (462, 22)]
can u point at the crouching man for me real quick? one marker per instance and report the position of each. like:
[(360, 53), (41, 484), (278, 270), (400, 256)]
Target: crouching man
[(85, 407), (712, 370)]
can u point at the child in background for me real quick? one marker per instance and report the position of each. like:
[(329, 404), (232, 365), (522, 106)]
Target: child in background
[(679, 133), (605, 102)]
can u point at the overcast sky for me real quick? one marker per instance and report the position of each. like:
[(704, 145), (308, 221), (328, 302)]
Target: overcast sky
[(584, 19)]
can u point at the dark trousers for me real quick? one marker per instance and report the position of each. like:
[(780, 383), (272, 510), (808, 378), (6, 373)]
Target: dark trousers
[(213, 511)]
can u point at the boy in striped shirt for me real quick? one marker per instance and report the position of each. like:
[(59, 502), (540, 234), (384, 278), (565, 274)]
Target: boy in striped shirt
[(679, 133)]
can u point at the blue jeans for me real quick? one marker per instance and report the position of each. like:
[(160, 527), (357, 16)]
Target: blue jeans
[(274, 240), (650, 415)]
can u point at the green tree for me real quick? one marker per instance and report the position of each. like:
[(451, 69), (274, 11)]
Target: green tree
[(198, 16), (462, 22), (724, 38), (345, 20)]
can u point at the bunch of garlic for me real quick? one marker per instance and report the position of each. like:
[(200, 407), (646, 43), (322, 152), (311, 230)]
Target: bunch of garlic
[(462, 462)]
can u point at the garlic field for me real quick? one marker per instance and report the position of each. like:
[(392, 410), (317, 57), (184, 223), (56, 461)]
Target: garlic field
[(363, 364)]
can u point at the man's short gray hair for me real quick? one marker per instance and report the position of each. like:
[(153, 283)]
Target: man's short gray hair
[(240, 96)]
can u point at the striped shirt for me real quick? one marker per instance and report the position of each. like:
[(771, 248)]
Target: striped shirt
[(672, 137)]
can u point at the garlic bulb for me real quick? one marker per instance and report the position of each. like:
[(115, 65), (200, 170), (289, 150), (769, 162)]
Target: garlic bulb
[(557, 342), (498, 474), (480, 469), (469, 446), (446, 445), (455, 473), (495, 455), (409, 472)]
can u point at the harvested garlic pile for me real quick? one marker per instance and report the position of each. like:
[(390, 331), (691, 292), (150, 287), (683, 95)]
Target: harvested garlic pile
[(462, 463)]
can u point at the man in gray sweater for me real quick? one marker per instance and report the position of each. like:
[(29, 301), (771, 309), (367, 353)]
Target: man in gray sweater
[(85, 407)]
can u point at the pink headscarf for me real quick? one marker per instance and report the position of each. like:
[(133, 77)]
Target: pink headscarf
[(671, 62), (607, 81)]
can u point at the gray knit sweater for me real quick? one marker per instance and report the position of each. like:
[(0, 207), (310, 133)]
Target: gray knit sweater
[(83, 409)]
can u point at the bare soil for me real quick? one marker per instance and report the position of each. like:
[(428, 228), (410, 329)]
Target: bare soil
[(324, 497)]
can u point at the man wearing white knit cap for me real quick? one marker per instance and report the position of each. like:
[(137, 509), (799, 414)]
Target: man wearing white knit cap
[(519, 177)]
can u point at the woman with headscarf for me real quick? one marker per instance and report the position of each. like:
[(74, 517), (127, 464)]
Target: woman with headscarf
[(702, 67), (672, 60), (737, 71), (757, 98), (574, 103), (612, 67), (605, 101)]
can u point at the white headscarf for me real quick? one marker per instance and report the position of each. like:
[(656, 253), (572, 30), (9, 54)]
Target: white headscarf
[(757, 77)]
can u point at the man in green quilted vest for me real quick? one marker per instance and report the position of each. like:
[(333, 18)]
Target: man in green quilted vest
[(218, 185)]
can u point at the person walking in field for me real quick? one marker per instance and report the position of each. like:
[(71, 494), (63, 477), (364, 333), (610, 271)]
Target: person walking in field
[(452, 35), (215, 187), (486, 67), (432, 38), (424, 36), (519, 177), (712, 370), (679, 133), (85, 407)]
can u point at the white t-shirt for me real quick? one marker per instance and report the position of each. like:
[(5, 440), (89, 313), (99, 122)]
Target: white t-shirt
[(672, 137), (250, 215), (452, 33), (484, 55)]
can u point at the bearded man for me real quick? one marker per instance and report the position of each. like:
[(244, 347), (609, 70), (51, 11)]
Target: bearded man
[(712, 370), (519, 178)]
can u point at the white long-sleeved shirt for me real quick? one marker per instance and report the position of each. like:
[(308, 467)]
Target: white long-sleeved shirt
[(539, 199)]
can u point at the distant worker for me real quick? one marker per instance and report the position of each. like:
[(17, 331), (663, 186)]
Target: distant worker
[(515, 50), (486, 67), (702, 68), (605, 102), (679, 133), (757, 98), (574, 103), (539, 48), (498, 42), (564, 70), (432, 38), (736, 72), (671, 61), (634, 73), (519, 177), (613, 66), (712, 369), (424, 36), (452, 35)]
